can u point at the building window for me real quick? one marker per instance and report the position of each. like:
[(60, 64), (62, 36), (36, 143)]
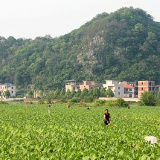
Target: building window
[(12, 87), (130, 95), (130, 89), (118, 87), (142, 88), (118, 93), (12, 91)]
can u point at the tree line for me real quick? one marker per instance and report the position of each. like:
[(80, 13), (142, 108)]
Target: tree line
[(75, 96)]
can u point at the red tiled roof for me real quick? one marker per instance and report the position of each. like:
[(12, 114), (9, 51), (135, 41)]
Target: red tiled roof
[(128, 86)]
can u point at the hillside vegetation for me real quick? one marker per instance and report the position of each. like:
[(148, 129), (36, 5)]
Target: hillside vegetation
[(124, 45)]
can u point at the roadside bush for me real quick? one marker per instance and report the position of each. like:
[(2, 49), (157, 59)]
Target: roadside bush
[(20, 93), (148, 99), (75, 100), (48, 99), (2, 102), (88, 99), (100, 102), (41, 101), (63, 99), (121, 102)]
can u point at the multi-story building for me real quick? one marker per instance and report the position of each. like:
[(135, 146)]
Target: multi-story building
[(129, 91), (7, 86), (148, 86), (117, 89), (72, 84), (88, 85), (157, 89)]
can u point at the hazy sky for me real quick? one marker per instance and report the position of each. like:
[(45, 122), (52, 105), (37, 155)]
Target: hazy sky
[(34, 18)]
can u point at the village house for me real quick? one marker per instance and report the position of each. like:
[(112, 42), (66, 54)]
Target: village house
[(7, 86), (88, 85), (117, 89), (72, 84), (147, 86), (130, 89), (120, 89)]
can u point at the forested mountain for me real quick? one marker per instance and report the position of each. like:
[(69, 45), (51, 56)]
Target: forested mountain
[(124, 45)]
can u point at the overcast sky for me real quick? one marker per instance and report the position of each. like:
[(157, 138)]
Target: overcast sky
[(34, 18)]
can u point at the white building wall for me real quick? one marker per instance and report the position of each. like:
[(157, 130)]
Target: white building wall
[(117, 89), (129, 92), (11, 88)]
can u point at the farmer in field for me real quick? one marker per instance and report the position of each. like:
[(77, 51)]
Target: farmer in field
[(107, 117)]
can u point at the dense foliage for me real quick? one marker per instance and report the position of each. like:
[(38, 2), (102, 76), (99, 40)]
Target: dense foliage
[(76, 96), (124, 45), (121, 102), (75, 133), (149, 99)]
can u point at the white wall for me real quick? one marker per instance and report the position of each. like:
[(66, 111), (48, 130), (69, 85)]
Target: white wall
[(117, 89)]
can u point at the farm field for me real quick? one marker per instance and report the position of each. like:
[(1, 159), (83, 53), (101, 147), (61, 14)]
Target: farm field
[(61, 133)]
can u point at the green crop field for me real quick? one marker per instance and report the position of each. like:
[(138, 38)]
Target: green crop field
[(61, 133)]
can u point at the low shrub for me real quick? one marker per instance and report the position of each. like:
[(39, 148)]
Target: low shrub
[(121, 102), (75, 100), (100, 102)]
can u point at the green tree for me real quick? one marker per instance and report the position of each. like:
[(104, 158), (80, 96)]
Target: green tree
[(49, 99), (57, 93), (102, 92), (68, 94), (158, 98), (90, 92), (73, 93), (96, 92), (121, 102), (41, 101), (148, 99), (30, 93), (84, 92), (109, 93), (62, 92), (7, 93), (78, 93)]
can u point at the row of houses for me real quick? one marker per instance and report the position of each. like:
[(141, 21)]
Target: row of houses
[(120, 89), (7, 86)]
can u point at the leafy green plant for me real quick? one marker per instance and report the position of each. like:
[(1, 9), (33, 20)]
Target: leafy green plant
[(41, 101), (75, 100), (77, 133), (2, 102), (100, 102), (121, 102), (148, 99)]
